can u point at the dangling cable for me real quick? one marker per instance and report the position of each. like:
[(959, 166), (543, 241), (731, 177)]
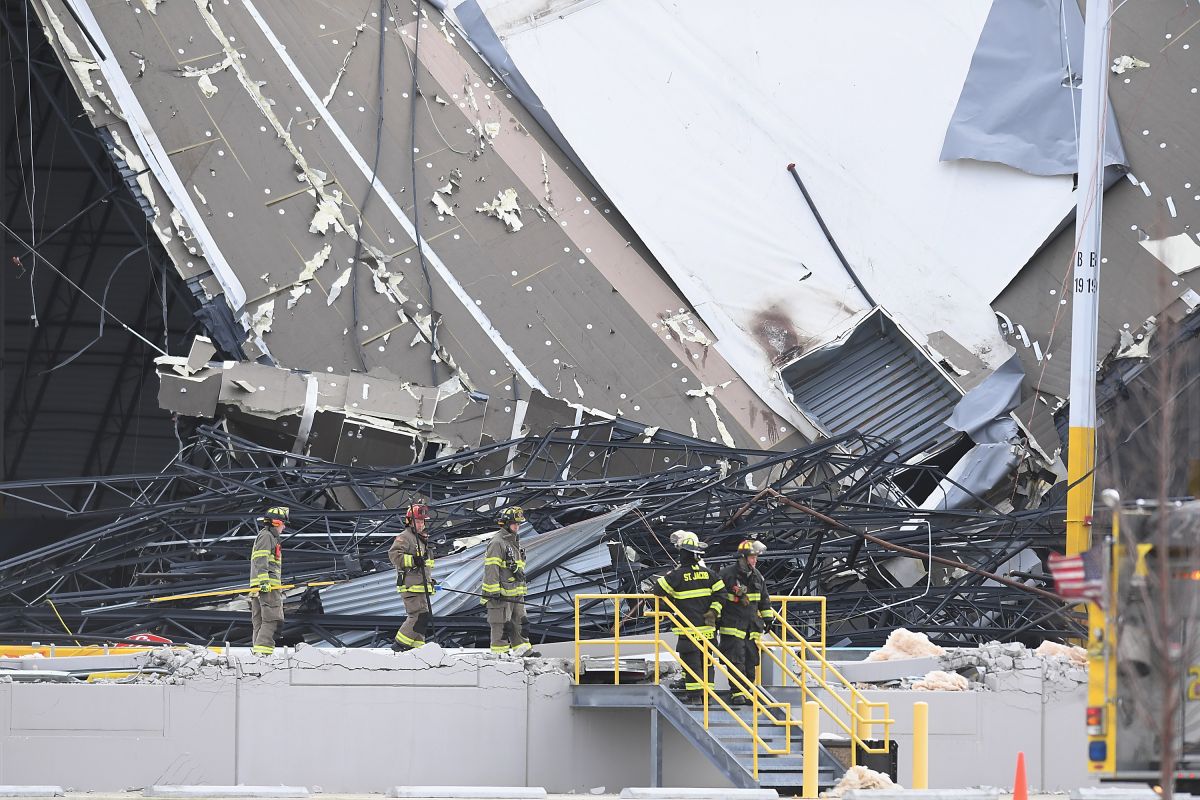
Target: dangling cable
[(362, 209)]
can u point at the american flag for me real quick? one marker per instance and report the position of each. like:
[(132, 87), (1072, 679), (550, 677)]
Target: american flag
[(1079, 577)]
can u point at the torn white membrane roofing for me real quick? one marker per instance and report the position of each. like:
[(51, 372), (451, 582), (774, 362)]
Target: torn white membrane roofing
[(702, 113)]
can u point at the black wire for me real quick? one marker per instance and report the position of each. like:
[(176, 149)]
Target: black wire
[(362, 209), (103, 307)]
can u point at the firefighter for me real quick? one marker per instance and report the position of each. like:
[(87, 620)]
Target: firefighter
[(747, 612), (695, 591), (504, 586), (410, 556), (266, 578)]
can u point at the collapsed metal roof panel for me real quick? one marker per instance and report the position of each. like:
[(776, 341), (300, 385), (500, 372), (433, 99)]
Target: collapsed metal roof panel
[(253, 127), (878, 381), (1151, 215)]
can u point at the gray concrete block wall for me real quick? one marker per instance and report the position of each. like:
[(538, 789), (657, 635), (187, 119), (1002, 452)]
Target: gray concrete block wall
[(112, 737), (364, 721)]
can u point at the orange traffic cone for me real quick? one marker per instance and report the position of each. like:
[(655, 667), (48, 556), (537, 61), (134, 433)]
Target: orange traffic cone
[(1020, 790)]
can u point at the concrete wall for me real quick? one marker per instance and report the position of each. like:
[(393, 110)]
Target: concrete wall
[(974, 737), (346, 721), (362, 721)]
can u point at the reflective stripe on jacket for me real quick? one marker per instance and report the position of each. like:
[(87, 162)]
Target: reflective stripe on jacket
[(266, 561), (746, 601), (504, 567), (695, 590), (411, 579)]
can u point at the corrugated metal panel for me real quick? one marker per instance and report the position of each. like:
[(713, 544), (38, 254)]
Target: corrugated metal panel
[(879, 382), (576, 547)]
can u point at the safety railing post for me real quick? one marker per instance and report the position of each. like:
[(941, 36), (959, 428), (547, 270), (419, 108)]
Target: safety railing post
[(657, 642), (617, 641), (824, 654), (754, 739), (812, 733), (576, 639), (920, 763), (704, 682)]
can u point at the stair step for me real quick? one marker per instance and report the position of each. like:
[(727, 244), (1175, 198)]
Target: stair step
[(746, 747), (780, 779), (773, 763)]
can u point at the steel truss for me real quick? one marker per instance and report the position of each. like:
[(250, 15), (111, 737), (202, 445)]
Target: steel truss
[(831, 513)]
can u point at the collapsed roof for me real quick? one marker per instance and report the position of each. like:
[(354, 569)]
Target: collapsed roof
[(412, 233)]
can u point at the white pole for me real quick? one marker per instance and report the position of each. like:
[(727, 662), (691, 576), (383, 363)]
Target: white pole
[(1085, 295)]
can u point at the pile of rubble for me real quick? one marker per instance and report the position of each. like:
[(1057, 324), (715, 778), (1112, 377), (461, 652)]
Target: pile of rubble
[(990, 666), (178, 664)]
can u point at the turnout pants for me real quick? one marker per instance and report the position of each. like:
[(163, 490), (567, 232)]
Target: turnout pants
[(506, 618), (266, 618), (692, 657), (416, 625), (742, 652)]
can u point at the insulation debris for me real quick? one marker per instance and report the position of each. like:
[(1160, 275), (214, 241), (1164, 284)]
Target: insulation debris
[(1137, 346), (336, 288), (388, 284), (264, 318), (683, 325), (294, 295), (329, 215), (1179, 253), (345, 63), (207, 87), (860, 777), (707, 393), (1072, 653), (506, 209), (940, 681), (1123, 64), (315, 263), (547, 195), (441, 205), (903, 643)]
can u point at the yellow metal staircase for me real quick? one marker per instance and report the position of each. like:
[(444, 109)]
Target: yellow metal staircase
[(765, 743)]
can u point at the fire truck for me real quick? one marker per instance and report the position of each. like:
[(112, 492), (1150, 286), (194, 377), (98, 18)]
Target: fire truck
[(1144, 646)]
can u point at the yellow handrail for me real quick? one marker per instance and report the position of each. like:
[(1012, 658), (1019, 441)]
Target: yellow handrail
[(860, 712), (664, 609), (801, 660)]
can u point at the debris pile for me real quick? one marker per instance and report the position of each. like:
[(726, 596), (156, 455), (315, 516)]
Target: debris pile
[(860, 777), (996, 663), (177, 665)]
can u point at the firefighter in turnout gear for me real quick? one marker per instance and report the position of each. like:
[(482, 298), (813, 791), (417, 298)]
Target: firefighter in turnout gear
[(266, 579), (504, 585), (696, 592), (747, 612), (410, 556)]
